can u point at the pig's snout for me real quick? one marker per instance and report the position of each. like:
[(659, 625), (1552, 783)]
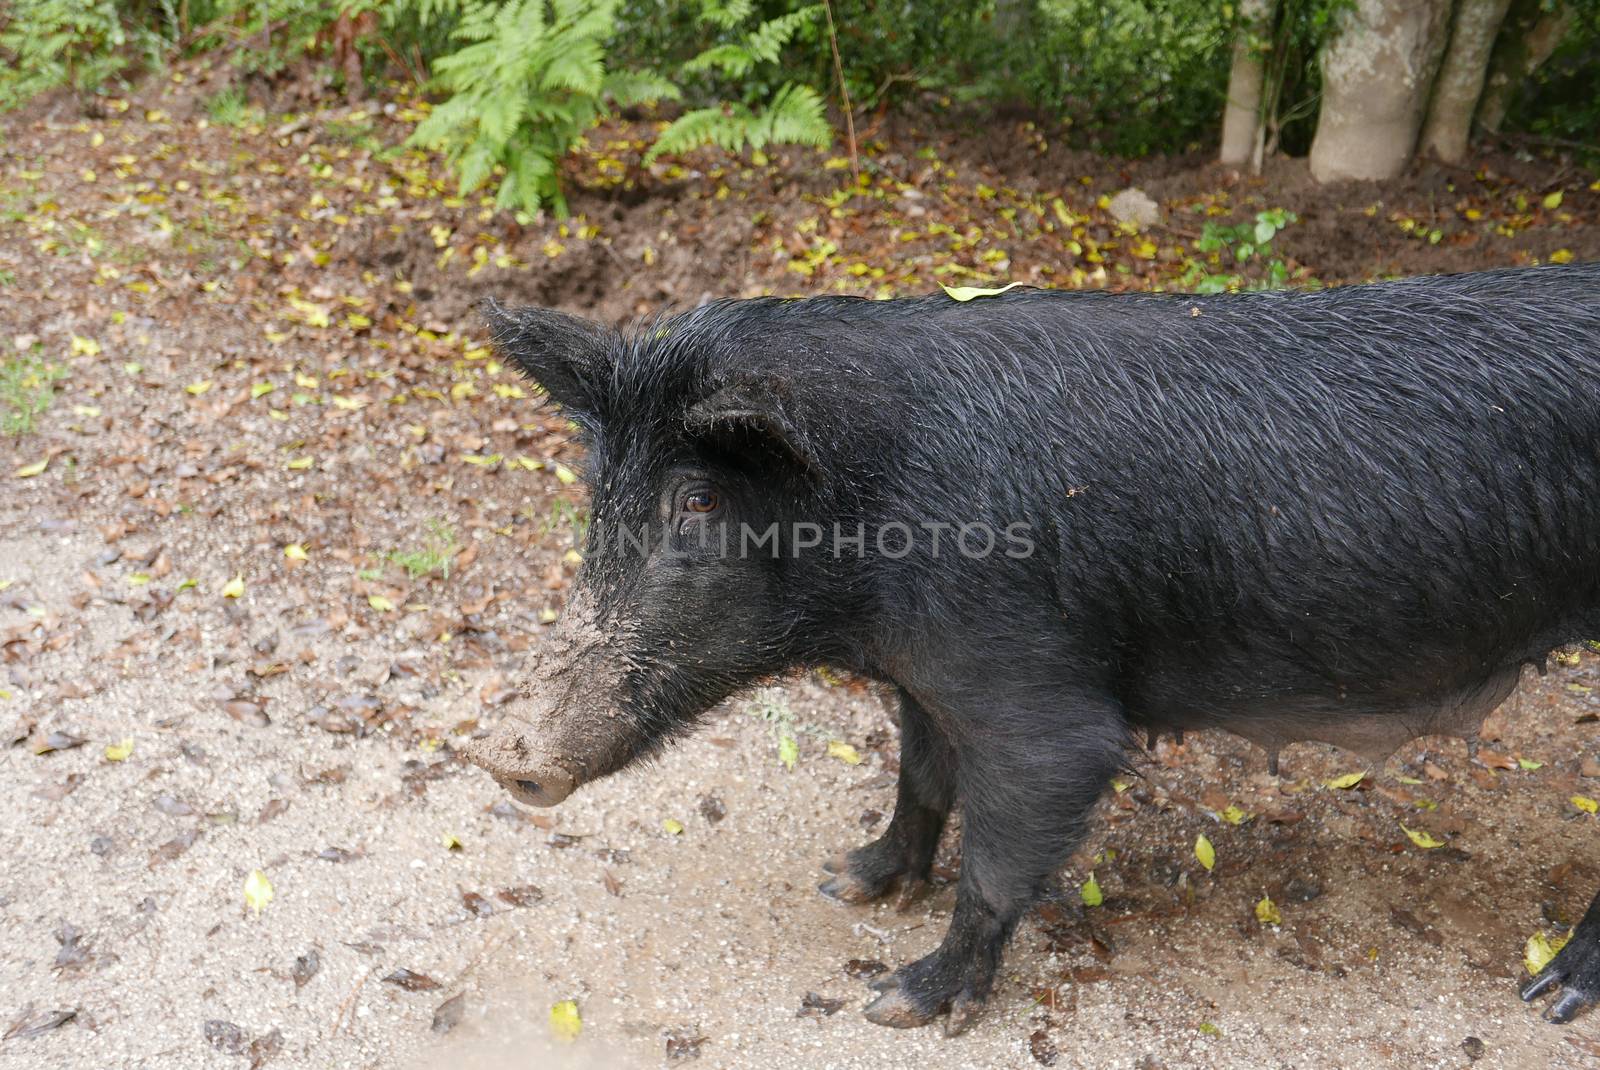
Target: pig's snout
[(548, 789), (522, 767)]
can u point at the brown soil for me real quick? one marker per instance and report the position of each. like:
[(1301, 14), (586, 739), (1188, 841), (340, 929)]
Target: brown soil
[(308, 727)]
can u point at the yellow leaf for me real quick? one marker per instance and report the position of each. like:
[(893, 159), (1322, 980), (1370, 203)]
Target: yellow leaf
[(1267, 912), (449, 842), (673, 826), (967, 293), (257, 890), (1346, 782), (199, 388), (300, 464), (261, 390), (86, 346), (4, 584), (139, 579), (1090, 892), (234, 588), (28, 471), (572, 557), (1206, 853), (1422, 838), (380, 603), (120, 750), (565, 474), (1541, 949), (305, 382), (356, 321), (1586, 804), (844, 752), (314, 315), (295, 552), (1552, 201), (348, 404), (564, 1020), (1561, 256), (482, 461), (1234, 816)]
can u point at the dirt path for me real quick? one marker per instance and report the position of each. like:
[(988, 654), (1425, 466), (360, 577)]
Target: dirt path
[(271, 375)]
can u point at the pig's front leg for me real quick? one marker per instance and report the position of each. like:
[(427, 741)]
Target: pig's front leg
[(1027, 782), (904, 852), (1575, 970)]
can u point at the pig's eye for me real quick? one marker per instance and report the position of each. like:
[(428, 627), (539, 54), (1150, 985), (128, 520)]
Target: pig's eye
[(700, 501)]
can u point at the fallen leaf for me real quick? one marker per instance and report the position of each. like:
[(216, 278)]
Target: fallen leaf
[(844, 752), (257, 890), (1346, 782), (1267, 912), (565, 1022), (449, 1013), (1206, 853), (1586, 804), (1090, 892), (968, 293), (1541, 949), (816, 1005), (410, 980), (1422, 838), (673, 826), (306, 967), (119, 751), (234, 588)]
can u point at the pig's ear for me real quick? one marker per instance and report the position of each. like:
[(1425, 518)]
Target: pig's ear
[(752, 416), (564, 354)]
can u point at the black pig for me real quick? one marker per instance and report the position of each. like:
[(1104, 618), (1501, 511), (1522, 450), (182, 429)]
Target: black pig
[(1350, 516)]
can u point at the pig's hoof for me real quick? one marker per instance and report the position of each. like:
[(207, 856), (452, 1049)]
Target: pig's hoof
[(1576, 972), (911, 893), (846, 889), (859, 876), (911, 997), (897, 1010)]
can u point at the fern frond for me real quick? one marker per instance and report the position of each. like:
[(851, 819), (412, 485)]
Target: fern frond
[(725, 13), (627, 88)]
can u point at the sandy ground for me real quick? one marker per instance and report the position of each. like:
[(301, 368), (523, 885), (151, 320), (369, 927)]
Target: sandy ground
[(712, 940)]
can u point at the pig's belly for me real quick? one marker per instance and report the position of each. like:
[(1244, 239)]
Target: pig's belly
[(1373, 727)]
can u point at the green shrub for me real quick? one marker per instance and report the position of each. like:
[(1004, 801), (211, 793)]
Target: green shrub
[(47, 44), (529, 79), (796, 114)]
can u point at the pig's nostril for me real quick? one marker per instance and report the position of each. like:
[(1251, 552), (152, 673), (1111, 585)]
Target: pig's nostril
[(529, 786)]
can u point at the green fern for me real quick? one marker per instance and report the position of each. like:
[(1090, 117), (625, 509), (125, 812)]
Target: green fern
[(764, 44), (725, 13), (49, 43), (529, 79), (796, 116)]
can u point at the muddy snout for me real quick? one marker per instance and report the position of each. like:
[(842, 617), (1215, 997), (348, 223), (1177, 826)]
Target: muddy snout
[(524, 765)]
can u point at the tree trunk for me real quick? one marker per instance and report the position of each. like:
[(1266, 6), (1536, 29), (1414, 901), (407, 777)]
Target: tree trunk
[(1242, 120), (1377, 72), (1460, 81), (1530, 35)]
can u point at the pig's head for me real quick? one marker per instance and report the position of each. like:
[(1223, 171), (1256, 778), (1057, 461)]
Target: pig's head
[(697, 438)]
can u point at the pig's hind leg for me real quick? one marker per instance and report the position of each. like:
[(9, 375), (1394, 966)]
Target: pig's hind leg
[(904, 853), (1027, 783), (1575, 971)]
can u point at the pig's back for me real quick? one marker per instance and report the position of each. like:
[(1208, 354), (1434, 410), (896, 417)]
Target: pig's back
[(1391, 489)]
